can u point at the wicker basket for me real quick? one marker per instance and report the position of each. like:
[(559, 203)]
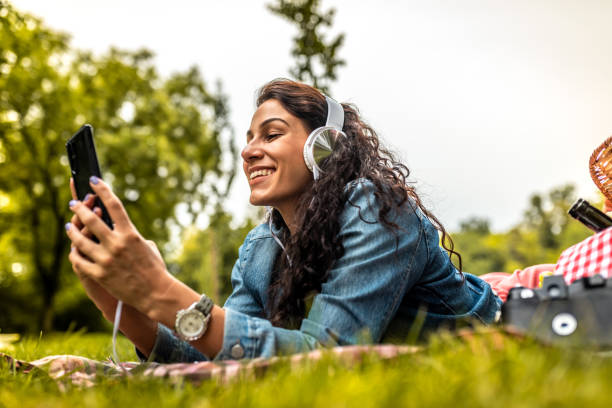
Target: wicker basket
[(600, 165)]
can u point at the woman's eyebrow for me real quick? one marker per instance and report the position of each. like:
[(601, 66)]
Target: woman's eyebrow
[(264, 123)]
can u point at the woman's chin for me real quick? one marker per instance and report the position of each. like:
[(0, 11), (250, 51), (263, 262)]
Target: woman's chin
[(257, 200)]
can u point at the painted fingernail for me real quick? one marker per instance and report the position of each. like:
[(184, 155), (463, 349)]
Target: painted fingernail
[(94, 180), (72, 203), (86, 197), (67, 226)]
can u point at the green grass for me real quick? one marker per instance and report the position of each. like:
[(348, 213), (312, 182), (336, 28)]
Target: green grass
[(486, 370)]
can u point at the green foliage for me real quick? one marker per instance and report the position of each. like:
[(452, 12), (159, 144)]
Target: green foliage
[(479, 371), (544, 233), (316, 59), (161, 142), (207, 256)]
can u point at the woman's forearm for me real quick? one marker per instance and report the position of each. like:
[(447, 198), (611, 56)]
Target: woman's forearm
[(163, 306)]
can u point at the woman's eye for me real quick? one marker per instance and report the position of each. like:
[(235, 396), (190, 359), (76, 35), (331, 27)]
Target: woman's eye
[(272, 136)]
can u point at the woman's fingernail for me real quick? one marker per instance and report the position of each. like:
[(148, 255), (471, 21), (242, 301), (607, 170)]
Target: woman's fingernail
[(86, 197), (72, 203), (94, 180), (67, 226)]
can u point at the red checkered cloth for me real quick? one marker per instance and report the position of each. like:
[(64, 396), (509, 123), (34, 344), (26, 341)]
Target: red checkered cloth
[(589, 257)]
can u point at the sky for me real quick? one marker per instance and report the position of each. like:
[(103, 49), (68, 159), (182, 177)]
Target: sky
[(486, 101)]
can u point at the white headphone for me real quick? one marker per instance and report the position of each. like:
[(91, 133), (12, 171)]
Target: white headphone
[(321, 141), (319, 145)]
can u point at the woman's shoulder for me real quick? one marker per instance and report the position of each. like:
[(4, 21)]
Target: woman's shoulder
[(361, 197), (363, 212), (360, 194), (364, 188), (260, 231), (260, 241), (359, 186)]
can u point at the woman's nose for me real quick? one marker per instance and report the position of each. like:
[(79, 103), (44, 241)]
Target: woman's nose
[(251, 152)]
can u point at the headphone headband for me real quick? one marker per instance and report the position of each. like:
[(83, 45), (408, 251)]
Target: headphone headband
[(335, 114)]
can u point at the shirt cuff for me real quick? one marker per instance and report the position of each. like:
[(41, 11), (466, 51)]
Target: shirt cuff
[(248, 336), (239, 339), (170, 349)]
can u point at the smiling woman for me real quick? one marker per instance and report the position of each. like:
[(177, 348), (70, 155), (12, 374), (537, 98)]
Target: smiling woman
[(348, 255), (272, 159)]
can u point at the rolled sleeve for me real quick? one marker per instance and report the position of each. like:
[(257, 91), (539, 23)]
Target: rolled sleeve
[(251, 337), (170, 349)]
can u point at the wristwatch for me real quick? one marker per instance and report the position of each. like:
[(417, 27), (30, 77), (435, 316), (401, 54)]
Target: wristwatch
[(191, 323)]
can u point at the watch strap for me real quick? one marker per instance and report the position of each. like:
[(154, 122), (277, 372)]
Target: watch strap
[(204, 305)]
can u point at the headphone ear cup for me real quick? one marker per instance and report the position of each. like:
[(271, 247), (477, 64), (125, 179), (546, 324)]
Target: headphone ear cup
[(319, 145), (307, 153)]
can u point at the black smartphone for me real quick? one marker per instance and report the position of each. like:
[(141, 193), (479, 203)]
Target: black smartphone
[(84, 164)]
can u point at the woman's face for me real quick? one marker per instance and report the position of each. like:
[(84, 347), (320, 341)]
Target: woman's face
[(273, 160)]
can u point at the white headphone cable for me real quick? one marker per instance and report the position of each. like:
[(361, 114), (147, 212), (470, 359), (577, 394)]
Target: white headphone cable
[(116, 329), (278, 241)]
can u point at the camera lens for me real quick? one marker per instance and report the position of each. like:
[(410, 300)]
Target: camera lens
[(554, 291)]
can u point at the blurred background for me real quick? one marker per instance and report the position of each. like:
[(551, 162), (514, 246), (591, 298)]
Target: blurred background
[(494, 106)]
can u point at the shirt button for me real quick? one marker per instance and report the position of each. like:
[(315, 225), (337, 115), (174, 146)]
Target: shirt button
[(237, 351)]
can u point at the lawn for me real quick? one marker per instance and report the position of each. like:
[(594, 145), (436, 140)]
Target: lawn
[(489, 369)]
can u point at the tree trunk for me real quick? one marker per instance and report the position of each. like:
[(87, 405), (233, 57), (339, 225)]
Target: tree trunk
[(47, 313)]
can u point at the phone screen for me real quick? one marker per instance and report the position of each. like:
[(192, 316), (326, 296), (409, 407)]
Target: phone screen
[(84, 164)]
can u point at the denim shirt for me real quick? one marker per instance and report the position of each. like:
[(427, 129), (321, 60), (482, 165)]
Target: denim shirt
[(385, 285)]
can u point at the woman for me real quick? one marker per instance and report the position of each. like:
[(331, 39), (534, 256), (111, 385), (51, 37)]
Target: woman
[(349, 255)]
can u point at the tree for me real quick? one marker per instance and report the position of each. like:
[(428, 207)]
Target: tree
[(548, 214), (316, 60), (477, 225), (160, 142), (481, 251), (545, 231)]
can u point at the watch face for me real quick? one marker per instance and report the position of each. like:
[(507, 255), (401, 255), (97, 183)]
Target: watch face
[(191, 324)]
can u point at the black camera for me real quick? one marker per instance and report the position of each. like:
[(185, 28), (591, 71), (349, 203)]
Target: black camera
[(578, 314)]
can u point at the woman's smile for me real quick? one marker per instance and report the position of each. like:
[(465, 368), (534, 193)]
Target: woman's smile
[(259, 175)]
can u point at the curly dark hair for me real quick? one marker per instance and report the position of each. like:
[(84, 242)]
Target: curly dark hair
[(315, 245)]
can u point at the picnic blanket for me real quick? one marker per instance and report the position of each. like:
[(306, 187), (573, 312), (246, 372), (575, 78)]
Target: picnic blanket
[(82, 371)]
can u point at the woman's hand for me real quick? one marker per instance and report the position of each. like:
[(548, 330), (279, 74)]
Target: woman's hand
[(101, 298), (127, 267), (123, 263)]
